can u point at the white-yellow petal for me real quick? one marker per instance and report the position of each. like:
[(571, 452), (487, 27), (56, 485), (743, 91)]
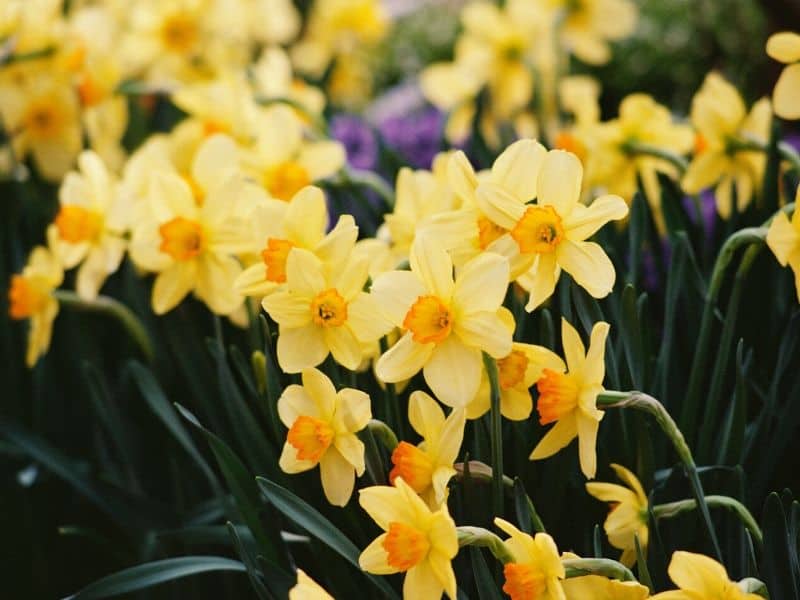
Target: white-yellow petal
[(589, 266), (403, 360), (447, 358), (338, 477)]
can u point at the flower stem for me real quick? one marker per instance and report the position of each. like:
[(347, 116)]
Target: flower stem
[(673, 509), (578, 567), (384, 433), (371, 181), (478, 536), (786, 151), (640, 149), (643, 402), (496, 436), (112, 308)]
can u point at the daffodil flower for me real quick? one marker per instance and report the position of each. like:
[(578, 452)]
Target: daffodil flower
[(307, 589), (447, 322), (598, 587), (320, 313), (417, 541), (569, 398), (429, 466), (90, 224), (628, 514), (783, 238), (587, 27), (300, 223), (721, 120), (785, 47), (550, 235), (322, 431), (30, 297), (701, 578), (536, 571)]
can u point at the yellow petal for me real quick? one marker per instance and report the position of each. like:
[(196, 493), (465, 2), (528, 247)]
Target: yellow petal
[(344, 346), (307, 589), (574, 350), (587, 445), (516, 405), (385, 504), (321, 390), (395, 292), (214, 284), (594, 368), (499, 205), (697, 573), (784, 46), (301, 348), (589, 266), (442, 568), (633, 482), (485, 331), (353, 409), (786, 93), (723, 197), (430, 261), (338, 477), (561, 434), (289, 463), (601, 588), (704, 171), (421, 582), (296, 402), (583, 222), (217, 154), (610, 492), (425, 415), (439, 480), (481, 283), (517, 170), (447, 358), (448, 444), (461, 176), (304, 273), (322, 159), (352, 450), (540, 280), (403, 360), (374, 557), (288, 309), (172, 285), (559, 183), (306, 217), (338, 244)]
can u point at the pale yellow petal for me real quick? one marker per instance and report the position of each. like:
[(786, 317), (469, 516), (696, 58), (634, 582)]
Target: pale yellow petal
[(421, 582), (485, 331), (301, 347), (587, 445), (403, 360), (172, 285), (442, 568), (698, 573), (295, 402), (594, 368), (353, 409), (322, 159), (786, 93), (395, 292), (447, 358), (583, 221), (344, 346), (335, 247), (540, 280), (574, 350), (559, 183), (589, 266), (321, 390), (425, 415), (306, 217), (632, 481), (352, 450), (610, 492), (784, 46), (304, 273), (704, 171), (481, 283), (499, 205), (517, 169), (461, 176), (287, 309), (365, 318), (561, 434), (289, 463), (307, 589), (214, 284), (430, 261), (385, 505), (217, 154), (374, 558), (338, 477), (448, 444), (516, 404)]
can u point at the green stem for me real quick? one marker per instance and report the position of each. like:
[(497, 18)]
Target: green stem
[(640, 149), (578, 567), (643, 402), (786, 151), (496, 435), (372, 457), (384, 433), (112, 308), (483, 538), (481, 472), (673, 509), (391, 397)]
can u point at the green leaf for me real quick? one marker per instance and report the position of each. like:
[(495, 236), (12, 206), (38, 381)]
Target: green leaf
[(252, 572), (307, 517), (149, 574), (776, 566), (675, 285), (597, 542), (641, 565), (632, 337), (484, 582), (732, 436)]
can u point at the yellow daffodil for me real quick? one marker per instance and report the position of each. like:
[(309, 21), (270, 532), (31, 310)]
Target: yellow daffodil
[(417, 541), (35, 24), (721, 121), (283, 161), (322, 431), (536, 570), (307, 589), (301, 223), (701, 578), (550, 235), (569, 398), (90, 224), (429, 466), (273, 79), (30, 297), (447, 322), (321, 312), (597, 587), (191, 231), (628, 514), (783, 238), (785, 47)]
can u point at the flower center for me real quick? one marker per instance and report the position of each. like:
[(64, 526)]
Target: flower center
[(539, 230), (429, 320), (329, 309), (274, 256), (413, 465), (283, 181), (558, 395), (44, 119), (310, 437), (77, 224), (24, 298), (405, 545), (179, 32), (181, 238), (523, 582), (488, 231), (511, 369)]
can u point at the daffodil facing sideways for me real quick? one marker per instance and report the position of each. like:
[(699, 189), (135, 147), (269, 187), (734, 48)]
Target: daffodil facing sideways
[(321, 313), (428, 467), (569, 399), (536, 570), (598, 587), (701, 578), (550, 234), (783, 238), (90, 225), (31, 297), (447, 322), (627, 515), (279, 226), (723, 124), (785, 47), (417, 541), (322, 431), (307, 589)]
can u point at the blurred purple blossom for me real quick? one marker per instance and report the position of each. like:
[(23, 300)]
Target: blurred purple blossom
[(416, 136), (358, 139), (707, 207)]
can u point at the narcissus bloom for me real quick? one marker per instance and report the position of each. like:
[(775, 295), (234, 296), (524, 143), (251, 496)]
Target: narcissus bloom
[(90, 224), (587, 27), (550, 235), (783, 238), (319, 312), (322, 431), (536, 571), (447, 322), (569, 399), (597, 587), (279, 226), (307, 589), (785, 47), (701, 578), (418, 542), (721, 120), (429, 466), (30, 297), (628, 513)]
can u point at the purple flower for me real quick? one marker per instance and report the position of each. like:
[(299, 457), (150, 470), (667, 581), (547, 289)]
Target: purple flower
[(358, 139), (707, 205), (416, 137)]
